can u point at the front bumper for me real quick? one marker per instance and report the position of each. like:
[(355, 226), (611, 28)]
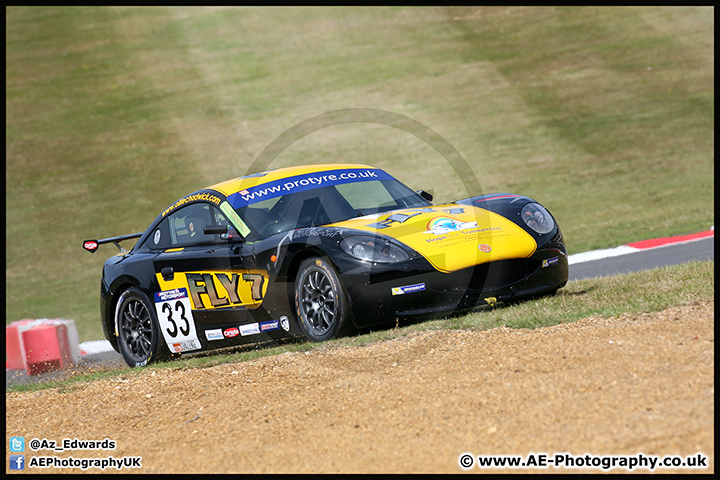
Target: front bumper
[(419, 290)]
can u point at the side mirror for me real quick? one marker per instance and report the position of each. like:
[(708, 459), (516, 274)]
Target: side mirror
[(426, 195), (226, 232)]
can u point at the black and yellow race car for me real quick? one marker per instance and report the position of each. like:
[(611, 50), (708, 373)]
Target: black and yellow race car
[(318, 251)]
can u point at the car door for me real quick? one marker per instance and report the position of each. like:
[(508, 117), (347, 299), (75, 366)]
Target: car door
[(203, 278)]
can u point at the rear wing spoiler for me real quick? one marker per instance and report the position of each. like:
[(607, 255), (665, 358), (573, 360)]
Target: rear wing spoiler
[(92, 245)]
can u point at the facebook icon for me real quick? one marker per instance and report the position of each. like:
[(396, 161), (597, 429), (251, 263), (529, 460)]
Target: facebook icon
[(17, 462)]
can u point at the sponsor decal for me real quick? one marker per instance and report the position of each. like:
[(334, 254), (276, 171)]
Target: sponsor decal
[(156, 237), (484, 247), (195, 197), (168, 295), (397, 218), (442, 225), (250, 329), (285, 323), (271, 325), (418, 287), (304, 182), (315, 232), (461, 235), (404, 217), (185, 346), (90, 245), (549, 262), (231, 332), (214, 334)]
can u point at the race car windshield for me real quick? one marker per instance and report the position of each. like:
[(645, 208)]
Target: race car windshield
[(327, 205)]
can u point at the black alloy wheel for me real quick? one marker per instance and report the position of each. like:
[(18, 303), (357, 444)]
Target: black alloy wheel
[(139, 336), (320, 300)]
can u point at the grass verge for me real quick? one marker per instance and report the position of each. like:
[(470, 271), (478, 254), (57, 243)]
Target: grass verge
[(631, 294)]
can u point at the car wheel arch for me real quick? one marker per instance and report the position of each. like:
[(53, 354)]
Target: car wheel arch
[(293, 265), (117, 290)]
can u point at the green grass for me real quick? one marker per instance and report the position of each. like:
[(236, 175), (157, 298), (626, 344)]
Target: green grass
[(606, 115), (628, 294)]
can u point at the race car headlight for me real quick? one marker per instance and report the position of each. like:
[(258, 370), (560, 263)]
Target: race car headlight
[(373, 249), (536, 217)]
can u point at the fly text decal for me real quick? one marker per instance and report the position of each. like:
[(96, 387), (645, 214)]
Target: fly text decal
[(210, 290)]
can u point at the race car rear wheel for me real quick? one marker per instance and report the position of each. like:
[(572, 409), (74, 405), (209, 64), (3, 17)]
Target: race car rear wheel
[(138, 330), (323, 310)]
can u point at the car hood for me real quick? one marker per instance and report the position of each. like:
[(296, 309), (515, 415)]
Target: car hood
[(451, 236)]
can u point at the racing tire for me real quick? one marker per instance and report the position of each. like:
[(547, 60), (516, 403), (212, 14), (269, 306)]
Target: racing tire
[(321, 303), (139, 337)]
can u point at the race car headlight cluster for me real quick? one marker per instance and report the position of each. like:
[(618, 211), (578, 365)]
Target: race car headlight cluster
[(373, 249), (537, 218)]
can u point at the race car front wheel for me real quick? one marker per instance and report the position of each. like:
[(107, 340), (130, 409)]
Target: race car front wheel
[(139, 336), (323, 310)]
